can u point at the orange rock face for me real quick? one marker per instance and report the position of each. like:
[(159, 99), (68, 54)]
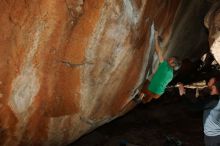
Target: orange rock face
[(69, 66)]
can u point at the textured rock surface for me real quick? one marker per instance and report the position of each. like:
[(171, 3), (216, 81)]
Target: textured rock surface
[(212, 22), (69, 66)]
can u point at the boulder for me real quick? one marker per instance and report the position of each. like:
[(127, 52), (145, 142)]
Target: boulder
[(69, 66)]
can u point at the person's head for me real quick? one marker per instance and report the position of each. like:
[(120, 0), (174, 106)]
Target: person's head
[(211, 82), (215, 90), (174, 63)]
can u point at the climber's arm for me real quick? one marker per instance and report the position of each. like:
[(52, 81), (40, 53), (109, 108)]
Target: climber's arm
[(157, 47)]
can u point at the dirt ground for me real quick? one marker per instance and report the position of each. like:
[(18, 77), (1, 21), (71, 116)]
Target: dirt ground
[(151, 125)]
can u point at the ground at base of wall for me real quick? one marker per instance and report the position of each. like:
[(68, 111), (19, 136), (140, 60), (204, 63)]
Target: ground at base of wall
[(165, 122)]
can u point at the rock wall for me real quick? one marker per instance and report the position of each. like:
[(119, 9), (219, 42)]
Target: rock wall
[(212, 22), (69, 66)]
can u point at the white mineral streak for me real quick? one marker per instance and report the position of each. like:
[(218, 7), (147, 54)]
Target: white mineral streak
[(26, 85)]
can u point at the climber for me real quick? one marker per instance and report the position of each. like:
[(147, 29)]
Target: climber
[(210, 104), (163, 75)]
